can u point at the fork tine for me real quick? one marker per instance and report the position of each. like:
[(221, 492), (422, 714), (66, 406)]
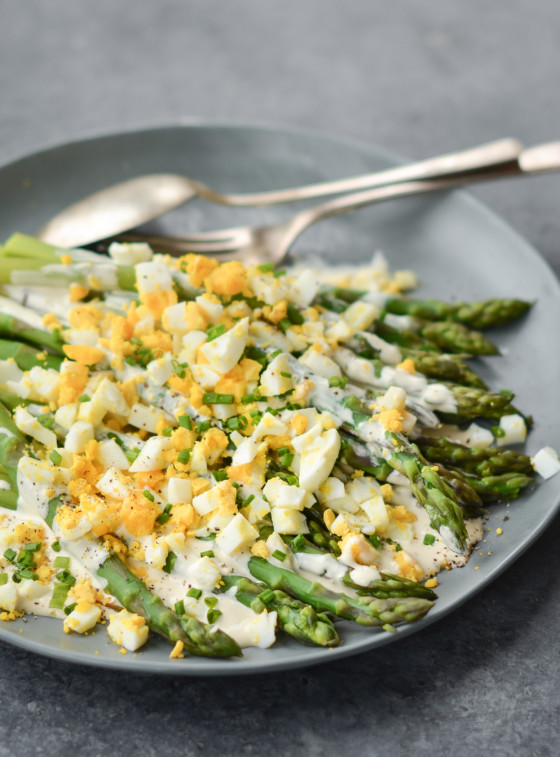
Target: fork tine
[(224, 241)]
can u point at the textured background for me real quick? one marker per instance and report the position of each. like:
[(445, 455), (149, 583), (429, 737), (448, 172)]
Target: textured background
[(417, 78)]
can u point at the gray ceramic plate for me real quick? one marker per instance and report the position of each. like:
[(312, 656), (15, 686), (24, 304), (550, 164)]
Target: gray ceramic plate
[(458, 248)]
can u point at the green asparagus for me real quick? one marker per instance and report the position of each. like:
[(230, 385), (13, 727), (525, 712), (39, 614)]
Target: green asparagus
[(365, 611), (296, 618)]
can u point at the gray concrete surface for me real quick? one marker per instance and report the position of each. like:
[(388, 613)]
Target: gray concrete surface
[(417, 78)]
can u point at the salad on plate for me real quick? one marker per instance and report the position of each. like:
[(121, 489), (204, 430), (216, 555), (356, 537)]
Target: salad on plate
[(222, 454)]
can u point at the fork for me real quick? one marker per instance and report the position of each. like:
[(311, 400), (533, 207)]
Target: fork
[(270, 244)]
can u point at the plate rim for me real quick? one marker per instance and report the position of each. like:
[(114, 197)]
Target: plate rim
[(217, 667)]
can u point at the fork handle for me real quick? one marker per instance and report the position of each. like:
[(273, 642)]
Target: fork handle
[(540, 159), (499, 153)]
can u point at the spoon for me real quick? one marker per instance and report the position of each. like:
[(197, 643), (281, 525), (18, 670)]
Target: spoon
[(134, 202)]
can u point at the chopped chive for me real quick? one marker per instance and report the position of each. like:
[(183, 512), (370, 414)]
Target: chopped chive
[(287, 459), (32, 546), (213, 332), (180, 607), (285, 324), (279, 272), (201, 427), (55, 457), (429, 539), (266, 267), (65, 577), (184, 456), (165, 515), (185, 422), (170, 562), (167, 431), (60, 593), (132, 454), (136, 341), (340, 381), (10, 555), (70, 608), (248, 501), (253, 397), (214, 398), (498, 432), (398, 548), (298, 543), (61, 562), (84, 398), (148, 494), (208, 553), (213, 615), (237, 423), (179, 368), (3, 579), (55, 546), (211, 601), (196, 593), (283, 450), (46, 420), (220, 475), (52, 507), (275, 354), (28, 573), (295, 316), (292, 480), (279, 555), (285, 374)]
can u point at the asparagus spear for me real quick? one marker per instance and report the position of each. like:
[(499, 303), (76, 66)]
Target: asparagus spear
[(134, 595), (466, 495), (366, 611), (476, 315), (481, 461), (503, 486), (454, 337), (296, 618), (443, 367), (383, 588), (474, 403), (406, 338), (26, 357), (11, 325)]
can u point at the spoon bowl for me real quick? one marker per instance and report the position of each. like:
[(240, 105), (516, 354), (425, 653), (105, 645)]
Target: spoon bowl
[(117, 208)]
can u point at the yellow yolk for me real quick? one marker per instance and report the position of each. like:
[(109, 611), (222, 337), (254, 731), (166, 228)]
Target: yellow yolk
[(72, 383), (85, 316), (228, 278), (158, 300), (78, 292), (391, 420), (198, 268), (407, 365), (83, 353), (138, 514)]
